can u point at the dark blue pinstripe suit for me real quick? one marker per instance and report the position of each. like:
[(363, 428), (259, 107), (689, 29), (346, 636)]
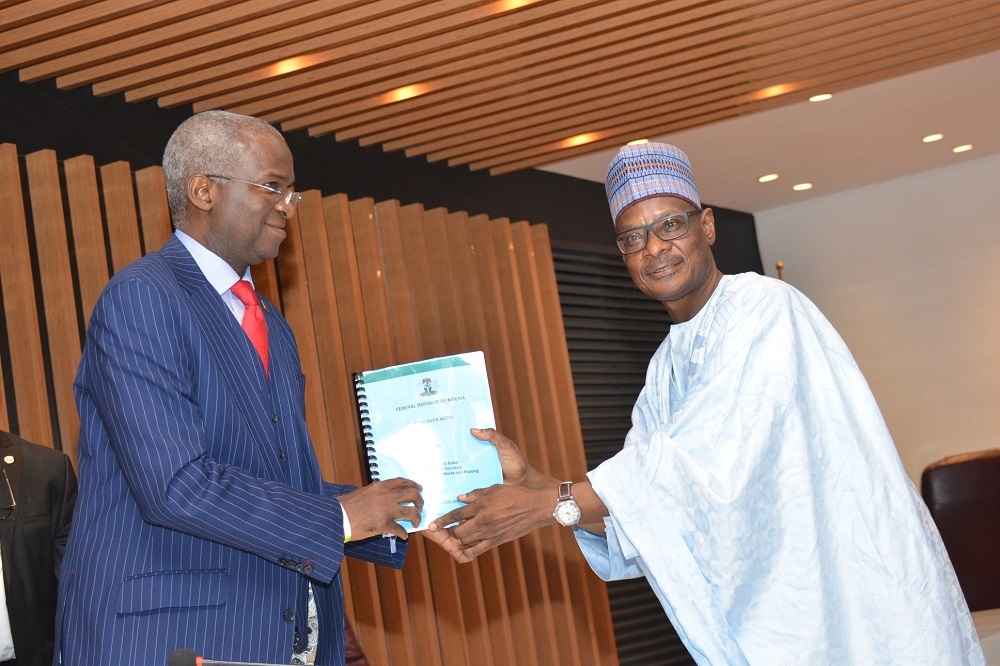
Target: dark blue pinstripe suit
[(202, 514)]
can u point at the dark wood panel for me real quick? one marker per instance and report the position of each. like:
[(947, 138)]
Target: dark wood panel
[(58, 293), (21, 307)]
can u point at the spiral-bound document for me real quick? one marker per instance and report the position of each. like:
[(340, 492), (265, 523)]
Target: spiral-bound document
[(415, 420)]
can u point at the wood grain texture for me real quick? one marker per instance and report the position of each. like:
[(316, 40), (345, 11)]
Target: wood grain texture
[(489, 84)]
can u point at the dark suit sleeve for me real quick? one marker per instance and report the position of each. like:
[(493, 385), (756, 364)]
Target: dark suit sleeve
[(62, 512)]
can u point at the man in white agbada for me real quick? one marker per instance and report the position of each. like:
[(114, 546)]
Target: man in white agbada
[(758, 490)]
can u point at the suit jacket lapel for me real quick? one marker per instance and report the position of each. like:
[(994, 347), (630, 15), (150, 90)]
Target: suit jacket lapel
[(235, 356)]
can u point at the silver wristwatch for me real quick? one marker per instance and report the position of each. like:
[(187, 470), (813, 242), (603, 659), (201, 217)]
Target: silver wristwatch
[(567, 511)]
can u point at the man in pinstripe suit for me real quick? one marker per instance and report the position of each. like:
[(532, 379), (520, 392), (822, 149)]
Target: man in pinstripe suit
[(203, 521)]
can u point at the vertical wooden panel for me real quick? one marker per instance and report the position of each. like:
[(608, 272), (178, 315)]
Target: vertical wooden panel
[(371, 278), (404, 317), (463, 274), (347, 284), (87, 224), (445, 276), (568, 585), (598, 615), (523, 616), (403, 320), (403, 644), (366, 607), (546, 335), (57, 290), (4, 418), (459, 611), (20, 306), (487, 573), (154, 211), (11, 204), (415, 287), (119, 210), (547, 567)]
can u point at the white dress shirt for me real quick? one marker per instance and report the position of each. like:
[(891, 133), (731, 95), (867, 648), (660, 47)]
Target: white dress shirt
[(6, 640)]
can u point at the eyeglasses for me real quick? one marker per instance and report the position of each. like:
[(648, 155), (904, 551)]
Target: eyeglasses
[(7, 506), (668, 228), (289, 196)]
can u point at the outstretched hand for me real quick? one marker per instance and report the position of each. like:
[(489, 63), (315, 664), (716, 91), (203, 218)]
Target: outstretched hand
[(375, 508), (500, 513)]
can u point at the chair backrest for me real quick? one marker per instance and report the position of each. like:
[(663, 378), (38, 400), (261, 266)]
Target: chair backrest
[(963, 495)]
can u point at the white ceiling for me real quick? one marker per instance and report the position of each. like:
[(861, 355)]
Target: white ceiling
[(862, 136)]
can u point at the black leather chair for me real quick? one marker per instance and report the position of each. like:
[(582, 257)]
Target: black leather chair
[(963, 495)]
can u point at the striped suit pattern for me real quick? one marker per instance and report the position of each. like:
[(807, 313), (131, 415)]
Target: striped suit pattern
[(202, 513)]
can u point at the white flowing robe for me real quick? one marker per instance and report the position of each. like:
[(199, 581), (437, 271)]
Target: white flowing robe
[(761, 495)]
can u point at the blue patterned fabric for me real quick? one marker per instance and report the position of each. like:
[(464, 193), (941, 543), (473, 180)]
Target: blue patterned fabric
[(760, 494), (647, 170), (202, 514)]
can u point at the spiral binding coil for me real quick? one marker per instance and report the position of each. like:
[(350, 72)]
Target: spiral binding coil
[(365, 423)]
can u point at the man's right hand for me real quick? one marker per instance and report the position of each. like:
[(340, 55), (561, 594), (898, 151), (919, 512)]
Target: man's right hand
[(374, 509)]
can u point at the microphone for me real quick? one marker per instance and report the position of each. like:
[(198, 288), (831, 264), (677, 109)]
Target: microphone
[(185, 657)]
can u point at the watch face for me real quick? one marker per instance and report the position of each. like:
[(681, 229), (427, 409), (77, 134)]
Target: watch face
[(567, 513)]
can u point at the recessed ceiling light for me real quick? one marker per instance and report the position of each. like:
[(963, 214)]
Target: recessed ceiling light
[(962, 148), (773, 91), (405, 92), (637, 142), (802, 186), (768, 178), (580, 139), (289, 65), (508, 5), (821, 97), (931, 138)]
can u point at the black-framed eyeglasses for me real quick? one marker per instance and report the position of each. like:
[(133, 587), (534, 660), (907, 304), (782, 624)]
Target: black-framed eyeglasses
[(668, 228), (289, 196), (7, 503)]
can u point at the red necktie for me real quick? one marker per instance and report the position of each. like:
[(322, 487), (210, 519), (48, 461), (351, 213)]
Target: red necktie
[(253, 319)]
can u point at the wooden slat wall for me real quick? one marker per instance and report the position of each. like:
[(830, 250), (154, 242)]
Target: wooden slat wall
[(364, 285)]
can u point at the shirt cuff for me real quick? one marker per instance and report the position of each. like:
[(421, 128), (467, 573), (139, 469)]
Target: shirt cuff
[(347, 524)]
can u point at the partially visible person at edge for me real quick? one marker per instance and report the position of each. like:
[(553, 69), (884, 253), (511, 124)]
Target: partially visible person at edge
[(758, 490), (37, 493), (203, 522)]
